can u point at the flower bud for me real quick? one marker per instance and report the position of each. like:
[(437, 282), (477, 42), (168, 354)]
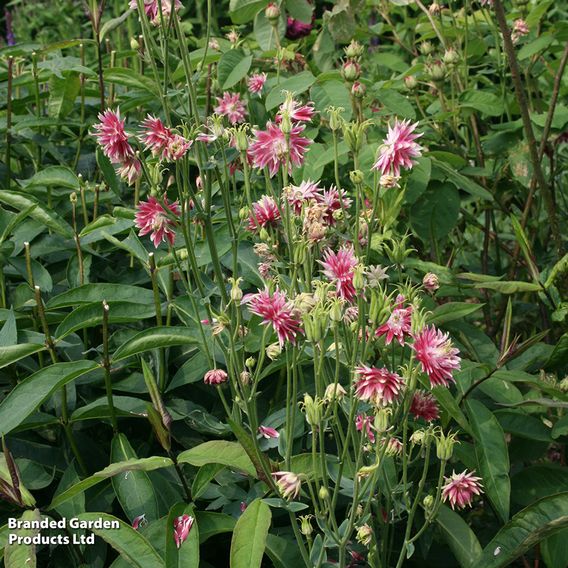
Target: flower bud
[(244, 377), (435, 9), (418, 437), (335, 120), (365, 535), (306, 525), (334, 391), (388, 181), (436, 71), (244, 213), (358, 90), (312, 409), (451, 57), (563, 385), (426, 48), (382, 418), (359, 277), (351, 70), (241, 138), (410, 82), (273, 351), (445, 446), (394, 447), (73, 198), (430, 282), (236, 292), (250, 362), (134, 45), (336, 311), (428, 502), (323, 493), (354, 50), (356, 177), (264, 234), (272, 13), (366, 470)]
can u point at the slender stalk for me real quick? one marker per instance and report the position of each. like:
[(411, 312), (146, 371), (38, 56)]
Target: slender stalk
[(527, 125), (107, 367), (9, 123)]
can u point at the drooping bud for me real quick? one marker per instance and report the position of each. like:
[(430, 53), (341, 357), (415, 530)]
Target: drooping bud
[(312, 409), (236, 292), (134, 45), (436, 70), (451, 57), (306, 525), (428, 502), (430, 282), (365, 535), (334, 391), (250, 362), (273, 351)]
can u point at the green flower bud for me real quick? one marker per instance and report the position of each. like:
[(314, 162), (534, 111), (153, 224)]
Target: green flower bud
[(335, 120), (134, 44), (359, 277), (323, 493), (428, 502), (272, 13), (382, 419), (264, 234), (351, 70), (356, 177), (273, 351), (250, 362), (354, 49), (426, 48), (313, 410), (306, 525), (336, 311), (410, 82), (445, 446), (236, 292)]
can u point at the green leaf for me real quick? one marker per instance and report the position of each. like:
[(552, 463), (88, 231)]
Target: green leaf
[(492, 456), (331, 93), (90, 293), (449, 404), (129, 78), (48, 218), (243, 11), (19, 555), (461, 181), (561, 427), (538, 481), (130, 544), (188, 554), (204, 476), (249, 537), (54, 176), (509, 286), (9, 331), (533, 47), (396, 103), (452, 311), (13, 353), (232, 67), (528, 527), (559, 355), (133, 488), (523, 425), (31, 392), (436, 212), (113, 23), (154, 338), (63, 92), (282, 552), (460, 538), (141, 464), (211, 524), (300, 10), (487, 103), (231, 454), (297, 84), (265, 32), (91, 315), (554, 550)]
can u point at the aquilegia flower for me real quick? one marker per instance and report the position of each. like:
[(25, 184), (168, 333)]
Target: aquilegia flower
[(365, 422), (182, 526), (161, 141), (379, 386), (152, 9), (398, 324), (270, 147), (339, 268), (276, 310), (112, 138), (231, 106), (460, 488), (334, 200), (296, 112), (520, 29), (424, 405), (439, 358), (297, 195), (264, 213), (288, 483), (398, 148), (268, 432), (130, 169), (296, 29), (256, 82), (215, 377), (155, 218)]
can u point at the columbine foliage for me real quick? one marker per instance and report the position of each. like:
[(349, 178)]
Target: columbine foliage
[(287, 282)]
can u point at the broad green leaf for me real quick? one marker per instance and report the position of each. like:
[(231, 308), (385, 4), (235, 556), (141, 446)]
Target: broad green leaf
[(130, 544), (509, 287), (460, 538), (204, 476), (249, 537), (243, 11), (131, 79), (449, 404), (54, 176), (533, 47), (91, 315), (527, 528), (141, 464), (231, 454), (492, 456), (452, 311), (154, 338), (41, 275), (300, 10), (297, 84), (113, 23), (461, 181), (90, 293), (554, 550), (20, 555), (13, 353), (188, 553), (72, 507), (99, 408), (50, 219), (396, 103), (265, 32), (232, 67), (133, 488), (62, 94), (483, 101), (211, 524), (9, 331), (27, 396), (561, 427), (523, 425), (331, 93), (282, 552), (538, 481), (436, 212), (559, 357)]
